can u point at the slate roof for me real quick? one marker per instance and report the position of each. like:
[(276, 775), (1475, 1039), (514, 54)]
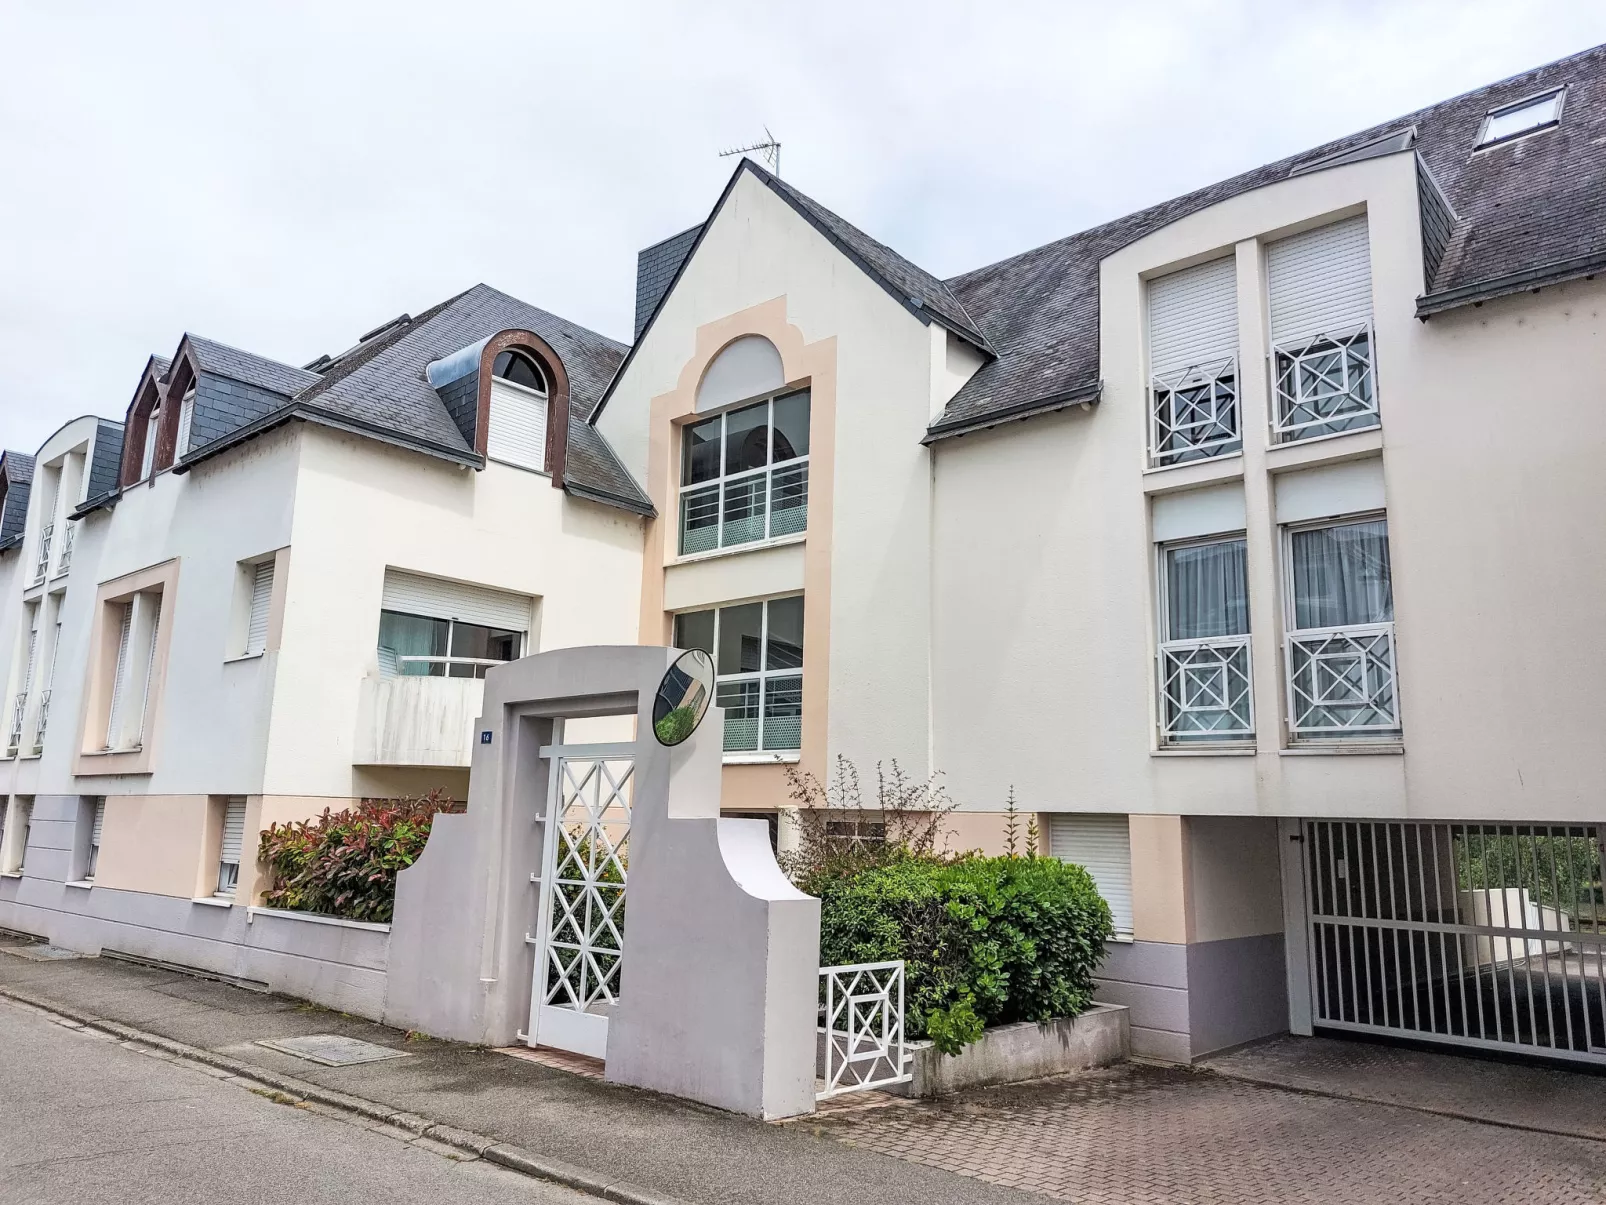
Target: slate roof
[(1526, 212), (18, 470), (379, 388), (245, 366), (655, 272)]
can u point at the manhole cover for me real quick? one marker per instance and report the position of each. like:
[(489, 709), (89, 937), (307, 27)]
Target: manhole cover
[(332, 1050), (41, 953)]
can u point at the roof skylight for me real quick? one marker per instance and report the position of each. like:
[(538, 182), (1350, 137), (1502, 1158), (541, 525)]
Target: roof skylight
[(1523, 117)]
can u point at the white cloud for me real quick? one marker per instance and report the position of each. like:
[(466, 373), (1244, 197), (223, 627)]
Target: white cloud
[(285, 176)]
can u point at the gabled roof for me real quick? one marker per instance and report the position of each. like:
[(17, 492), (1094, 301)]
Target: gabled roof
[(1528, 212), (16, 473), (379, 389)]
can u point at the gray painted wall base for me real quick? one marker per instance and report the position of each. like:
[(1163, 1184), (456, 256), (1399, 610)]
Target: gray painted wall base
[(1187, 1001), (1009, 1054)]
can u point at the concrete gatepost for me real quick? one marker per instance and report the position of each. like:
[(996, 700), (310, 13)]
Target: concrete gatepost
[(719, 983)]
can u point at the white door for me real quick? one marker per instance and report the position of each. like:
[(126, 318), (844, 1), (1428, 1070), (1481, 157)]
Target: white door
[(580, 934)]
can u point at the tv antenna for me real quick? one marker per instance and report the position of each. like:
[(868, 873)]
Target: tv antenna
[(769, 148)]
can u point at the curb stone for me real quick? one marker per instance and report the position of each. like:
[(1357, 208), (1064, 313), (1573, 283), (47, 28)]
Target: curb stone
[(247, 1075)]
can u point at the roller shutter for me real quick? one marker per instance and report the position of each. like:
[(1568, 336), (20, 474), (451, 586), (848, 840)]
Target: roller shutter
[(436, 598), (1320, 282), (233, 831), (1193, 316), (256, 634), (517, 433), (1102, 846)]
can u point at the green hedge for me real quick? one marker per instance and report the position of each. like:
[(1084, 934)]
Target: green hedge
[(986, 941), (345, 863)]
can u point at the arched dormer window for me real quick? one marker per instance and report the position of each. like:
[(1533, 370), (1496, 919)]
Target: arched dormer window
[(517, 434)]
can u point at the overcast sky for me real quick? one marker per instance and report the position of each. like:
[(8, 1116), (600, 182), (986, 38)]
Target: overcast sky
[(283, 176)]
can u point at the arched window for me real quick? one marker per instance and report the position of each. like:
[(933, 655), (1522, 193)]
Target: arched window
[(518, 368), (518, 427)]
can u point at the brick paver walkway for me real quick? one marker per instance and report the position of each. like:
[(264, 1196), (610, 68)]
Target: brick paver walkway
[(1138, 1134)]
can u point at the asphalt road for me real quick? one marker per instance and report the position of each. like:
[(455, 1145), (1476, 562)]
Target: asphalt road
[(84, 1118)]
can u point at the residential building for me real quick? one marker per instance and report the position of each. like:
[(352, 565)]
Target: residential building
[(272, 590), (1248, 538)]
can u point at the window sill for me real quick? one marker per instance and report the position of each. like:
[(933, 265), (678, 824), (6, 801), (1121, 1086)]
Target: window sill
[(522, 468), (1358, 749), (1121, 939), (1322, 449), (213, 901), (246, 657), (779, 758), (737, 549), (10, 874), (1164, 478), (28, 757), (81, 884), (1207, 751)]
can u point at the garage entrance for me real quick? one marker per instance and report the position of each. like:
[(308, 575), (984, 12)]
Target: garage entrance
[(1485, 935)]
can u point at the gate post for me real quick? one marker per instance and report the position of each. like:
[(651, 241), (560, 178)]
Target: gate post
[(1296, 924)]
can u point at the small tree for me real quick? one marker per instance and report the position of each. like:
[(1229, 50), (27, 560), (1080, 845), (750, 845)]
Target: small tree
[(840, 834), (1012, 825)]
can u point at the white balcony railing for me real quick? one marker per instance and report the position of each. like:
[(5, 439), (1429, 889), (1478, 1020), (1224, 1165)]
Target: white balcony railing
[(1325, 385), (1193, 413), (1205, 691), (41, 569), (14, 730), (476, 665), (761, 504), (40, 721), (64, 561), (1342, 682)]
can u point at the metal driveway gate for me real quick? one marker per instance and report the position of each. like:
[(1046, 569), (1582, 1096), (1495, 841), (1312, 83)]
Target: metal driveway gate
[(579, 936), (1489, 935)]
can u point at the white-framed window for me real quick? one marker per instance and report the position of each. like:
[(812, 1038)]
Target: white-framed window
[(97, 822), (517, 433), (230, 845), (757, 649), (148, 456), (256, 620), (744, 474), (186, 416), (1206, 688), (1101, 844), (1526, 116), (1323, 363), (430, 627), (1193, 363), (1341, 666), (19, 822), (137, 623), (19, 701)]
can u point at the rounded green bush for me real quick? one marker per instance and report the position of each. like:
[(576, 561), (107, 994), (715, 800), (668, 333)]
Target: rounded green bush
[(985, 941)]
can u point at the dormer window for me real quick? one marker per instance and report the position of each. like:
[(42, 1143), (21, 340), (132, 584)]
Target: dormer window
[(520, 369), (518, 427), (1524, 117), (148, 460)]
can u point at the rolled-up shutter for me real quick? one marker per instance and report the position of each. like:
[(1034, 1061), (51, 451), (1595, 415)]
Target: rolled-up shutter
[(436, 598), (119, 677), (98, 823), (1102, 846), (186, 415), (517, 433), (1193, 316), (256, 633), (1320, 282), (233, 831)]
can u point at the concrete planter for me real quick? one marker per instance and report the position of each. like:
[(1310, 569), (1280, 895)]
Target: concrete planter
[(1027, 1050)]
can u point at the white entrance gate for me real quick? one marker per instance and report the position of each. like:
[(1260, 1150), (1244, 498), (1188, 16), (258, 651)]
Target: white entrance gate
[(579, 936), (861, 1033), (1487, 935)]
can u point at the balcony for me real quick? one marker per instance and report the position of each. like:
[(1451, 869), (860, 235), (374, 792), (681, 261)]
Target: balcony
[(42, 568), (41, 720), (1193, 414), (763, 712), (1325, 386), (763, 504), (1205, 691), (1341, 684), (418, 719), (14, 731)]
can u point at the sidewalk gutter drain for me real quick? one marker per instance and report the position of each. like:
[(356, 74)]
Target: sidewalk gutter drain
[(332, 1050)]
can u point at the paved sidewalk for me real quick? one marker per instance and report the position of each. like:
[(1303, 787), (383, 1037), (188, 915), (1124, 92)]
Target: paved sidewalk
[(1136, 1134), (662, 1145)]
